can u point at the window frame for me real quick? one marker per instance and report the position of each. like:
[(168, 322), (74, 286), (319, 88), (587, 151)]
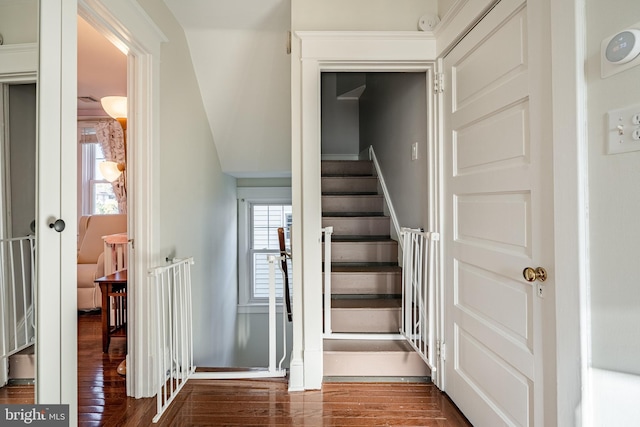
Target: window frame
[(87, 170), (247, 197)]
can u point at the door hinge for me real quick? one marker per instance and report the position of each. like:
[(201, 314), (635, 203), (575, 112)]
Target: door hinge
[(438, 82), (440, 350)]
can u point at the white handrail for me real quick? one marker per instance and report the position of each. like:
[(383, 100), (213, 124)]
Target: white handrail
[(418, 293), (385, 193), (17, 277), (174, 330), (328, 231)]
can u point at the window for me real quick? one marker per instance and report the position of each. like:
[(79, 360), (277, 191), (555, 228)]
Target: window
[(265, 221), (261, 212), (97, 196)]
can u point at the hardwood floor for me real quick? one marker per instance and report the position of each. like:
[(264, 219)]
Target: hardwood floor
[(102, 400)]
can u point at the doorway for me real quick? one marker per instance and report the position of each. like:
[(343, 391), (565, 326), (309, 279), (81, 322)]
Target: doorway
[(18, 142), (101, 200)]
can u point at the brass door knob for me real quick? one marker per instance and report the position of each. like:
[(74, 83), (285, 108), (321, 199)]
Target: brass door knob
[(531, 274)]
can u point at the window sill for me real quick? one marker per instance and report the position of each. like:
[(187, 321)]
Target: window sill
[(258, 308)]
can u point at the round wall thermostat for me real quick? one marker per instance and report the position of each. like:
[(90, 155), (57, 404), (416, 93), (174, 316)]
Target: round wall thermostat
[(623, 47)]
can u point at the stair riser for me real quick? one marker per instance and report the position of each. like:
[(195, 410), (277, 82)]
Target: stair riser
[(365, 320), (22, 367), (366, 283), (363, 251), (347, 167), (373, 364), (350, 184), (358, 226), (352, 204)]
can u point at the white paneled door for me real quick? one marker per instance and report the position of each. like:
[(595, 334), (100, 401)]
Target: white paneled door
[(497, 206)]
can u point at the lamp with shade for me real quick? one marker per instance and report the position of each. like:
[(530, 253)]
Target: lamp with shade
[(116, 107)]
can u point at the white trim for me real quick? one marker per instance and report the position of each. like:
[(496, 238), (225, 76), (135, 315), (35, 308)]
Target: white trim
[(313, 53), (18, 62), (238, 375), (248, 196), (127, 25), (56, 289), (570, 212), (462, 17)]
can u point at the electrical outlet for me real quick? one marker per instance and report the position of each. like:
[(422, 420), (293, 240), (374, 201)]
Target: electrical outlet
[(414, 151)]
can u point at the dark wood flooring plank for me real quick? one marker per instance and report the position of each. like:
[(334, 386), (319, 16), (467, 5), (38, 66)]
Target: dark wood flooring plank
[(102, 398)]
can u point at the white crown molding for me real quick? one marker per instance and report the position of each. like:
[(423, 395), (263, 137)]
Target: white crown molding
[(117, 18), (18, 62), (368, 45)]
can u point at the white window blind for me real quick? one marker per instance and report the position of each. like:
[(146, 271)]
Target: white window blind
[(265, 221)]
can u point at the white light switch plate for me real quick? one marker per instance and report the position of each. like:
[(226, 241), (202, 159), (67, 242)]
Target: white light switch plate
[(623, 132), (414, 151)]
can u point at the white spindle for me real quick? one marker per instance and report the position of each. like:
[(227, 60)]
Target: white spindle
[(174, 339), (17, 275), (328, 231), (418, 293)]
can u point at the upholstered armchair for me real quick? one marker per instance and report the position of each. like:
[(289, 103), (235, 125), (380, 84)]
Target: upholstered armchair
[(90, 255)]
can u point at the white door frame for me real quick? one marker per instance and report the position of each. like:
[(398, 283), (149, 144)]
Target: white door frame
[(313, 53), (18, 64), (56, 289), (571, 206), (130, 29)]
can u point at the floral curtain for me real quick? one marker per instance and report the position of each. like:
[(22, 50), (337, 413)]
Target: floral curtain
[(111, 138)]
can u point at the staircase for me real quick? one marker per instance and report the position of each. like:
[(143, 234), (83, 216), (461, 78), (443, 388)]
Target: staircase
[(366, 279)]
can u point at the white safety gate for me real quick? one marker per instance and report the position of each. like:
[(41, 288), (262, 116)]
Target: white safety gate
[(418, 324), (173, 332), (17, 276)]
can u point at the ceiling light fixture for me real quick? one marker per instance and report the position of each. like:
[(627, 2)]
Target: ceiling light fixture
[(116, 107)]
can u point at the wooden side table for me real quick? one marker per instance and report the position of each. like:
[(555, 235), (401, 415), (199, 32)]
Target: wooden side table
[(114, 298)]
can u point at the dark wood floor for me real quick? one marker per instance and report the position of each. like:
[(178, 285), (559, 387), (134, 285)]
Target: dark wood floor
[(102, 400)]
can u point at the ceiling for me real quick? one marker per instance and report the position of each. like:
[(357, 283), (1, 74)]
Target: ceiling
[(242, 68), (102, 70)]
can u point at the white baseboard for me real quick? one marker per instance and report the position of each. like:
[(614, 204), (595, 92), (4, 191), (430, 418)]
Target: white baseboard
[(296, 375)]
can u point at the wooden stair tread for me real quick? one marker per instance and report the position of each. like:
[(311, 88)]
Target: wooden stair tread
[(350, 193), (366, 303), (352, 214), (347, 175), (361, 238), (361, 268), (371, 345)]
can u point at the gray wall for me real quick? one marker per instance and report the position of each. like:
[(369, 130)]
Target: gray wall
[(17, 23), (22, 142), (340, 133), (352, 15), (393, 115), (198, 201), (614, 201)]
